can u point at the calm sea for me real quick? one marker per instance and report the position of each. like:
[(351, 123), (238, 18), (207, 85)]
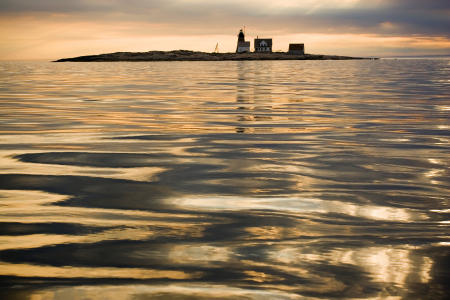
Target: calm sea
[(225, 180)]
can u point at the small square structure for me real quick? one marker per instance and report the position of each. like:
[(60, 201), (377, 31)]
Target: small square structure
[(243, 47), (296, 49)]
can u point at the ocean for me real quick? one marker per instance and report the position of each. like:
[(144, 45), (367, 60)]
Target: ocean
[(225, 180)]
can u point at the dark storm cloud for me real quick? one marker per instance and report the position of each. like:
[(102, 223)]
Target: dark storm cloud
[(395, 17), (420, 4), (106, 6), (288, 16)]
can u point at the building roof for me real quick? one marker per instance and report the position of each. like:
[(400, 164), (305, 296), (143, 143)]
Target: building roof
[(268, 42), (293, 47)]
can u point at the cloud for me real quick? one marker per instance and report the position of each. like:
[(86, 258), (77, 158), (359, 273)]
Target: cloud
[(286, 16)]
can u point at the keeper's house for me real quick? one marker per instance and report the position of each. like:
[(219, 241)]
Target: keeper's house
[(263, 45)]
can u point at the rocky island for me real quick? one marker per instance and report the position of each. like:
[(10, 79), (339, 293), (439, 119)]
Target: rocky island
[(187, 55), (262, 51)]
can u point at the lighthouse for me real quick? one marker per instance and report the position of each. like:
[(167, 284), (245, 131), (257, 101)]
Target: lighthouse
[(242, 45)]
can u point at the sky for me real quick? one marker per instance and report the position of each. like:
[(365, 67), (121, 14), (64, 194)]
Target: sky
[(52, 29)]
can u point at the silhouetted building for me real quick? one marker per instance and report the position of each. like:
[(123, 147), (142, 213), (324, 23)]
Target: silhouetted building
[(242, 45), (297, 49), (263, 45)]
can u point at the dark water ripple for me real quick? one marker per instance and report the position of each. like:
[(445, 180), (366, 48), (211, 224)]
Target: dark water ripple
[(225, 180)]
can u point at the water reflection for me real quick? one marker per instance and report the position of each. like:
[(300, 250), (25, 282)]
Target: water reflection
[(244, 99), (284, 180)]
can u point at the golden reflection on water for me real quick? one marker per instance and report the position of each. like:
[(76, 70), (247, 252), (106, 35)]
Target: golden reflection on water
[(24, 270), (11, 165), (199, 254), (37, 206), (142, 292), (252, 180), (299, 204)]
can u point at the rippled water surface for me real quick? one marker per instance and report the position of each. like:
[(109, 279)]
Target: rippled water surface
[(230, 180)]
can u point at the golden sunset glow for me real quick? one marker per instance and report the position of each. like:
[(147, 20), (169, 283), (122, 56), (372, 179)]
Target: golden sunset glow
[(51, 30)]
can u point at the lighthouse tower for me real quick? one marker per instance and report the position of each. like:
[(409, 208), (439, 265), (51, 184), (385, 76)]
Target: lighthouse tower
[(242, 45)]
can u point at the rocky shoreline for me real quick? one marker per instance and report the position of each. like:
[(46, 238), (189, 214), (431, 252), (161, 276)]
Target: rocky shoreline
[(187, 55)]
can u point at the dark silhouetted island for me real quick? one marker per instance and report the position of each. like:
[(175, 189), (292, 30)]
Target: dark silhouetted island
[(187, 55)]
